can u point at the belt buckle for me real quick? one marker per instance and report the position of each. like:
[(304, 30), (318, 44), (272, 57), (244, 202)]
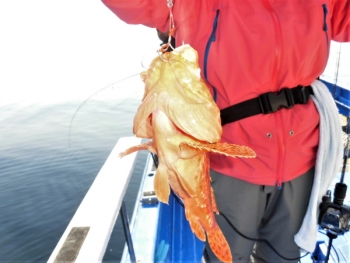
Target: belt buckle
[(305, 94), (271, 102)]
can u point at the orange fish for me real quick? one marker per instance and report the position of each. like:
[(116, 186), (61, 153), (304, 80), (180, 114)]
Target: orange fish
[(179, 114)]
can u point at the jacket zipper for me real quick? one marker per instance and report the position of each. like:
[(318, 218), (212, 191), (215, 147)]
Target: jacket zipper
[(212, 39), (325, 27), (277, 115), (278, 35)]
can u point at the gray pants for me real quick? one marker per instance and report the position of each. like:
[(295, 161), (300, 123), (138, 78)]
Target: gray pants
[(261, 212)]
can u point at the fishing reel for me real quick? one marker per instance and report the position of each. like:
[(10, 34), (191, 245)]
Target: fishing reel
[(335, 216)]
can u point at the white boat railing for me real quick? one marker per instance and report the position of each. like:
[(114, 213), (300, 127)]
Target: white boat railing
[(88, 233)]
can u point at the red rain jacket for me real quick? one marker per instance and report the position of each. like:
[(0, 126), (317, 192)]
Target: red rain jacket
[(247, 48)]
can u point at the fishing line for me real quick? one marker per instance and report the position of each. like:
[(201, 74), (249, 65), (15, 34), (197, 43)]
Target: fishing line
[(336, 253), (260, 240), (143, 59), (336, 73), (332, 246), (87, 99)]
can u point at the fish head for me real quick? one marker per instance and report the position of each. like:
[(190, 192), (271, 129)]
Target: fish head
[(174, 85)]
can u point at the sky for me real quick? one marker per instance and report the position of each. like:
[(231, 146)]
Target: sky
[(60, 50)]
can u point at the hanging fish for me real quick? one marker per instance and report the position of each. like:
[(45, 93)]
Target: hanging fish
[(180, 116)]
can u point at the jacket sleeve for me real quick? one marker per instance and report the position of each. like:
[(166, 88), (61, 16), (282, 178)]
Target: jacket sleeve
[(340, 20), (151, 13)]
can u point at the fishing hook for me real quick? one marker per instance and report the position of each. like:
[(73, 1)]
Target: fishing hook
[(165, 47)]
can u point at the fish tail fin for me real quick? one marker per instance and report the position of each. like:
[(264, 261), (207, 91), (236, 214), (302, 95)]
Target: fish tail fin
[(144, 146), (219, 245), (161, 184)]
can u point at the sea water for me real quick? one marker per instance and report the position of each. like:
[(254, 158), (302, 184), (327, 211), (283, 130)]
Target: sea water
[(48, 162)]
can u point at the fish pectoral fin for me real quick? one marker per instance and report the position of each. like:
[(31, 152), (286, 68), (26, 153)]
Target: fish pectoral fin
[(161, 183), (144, 146), (232, 150), (219, 245)]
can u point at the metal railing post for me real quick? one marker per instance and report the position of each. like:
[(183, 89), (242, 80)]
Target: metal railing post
[(127, 233)]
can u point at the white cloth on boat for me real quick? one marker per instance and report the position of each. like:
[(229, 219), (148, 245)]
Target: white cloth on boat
[(328, 162)]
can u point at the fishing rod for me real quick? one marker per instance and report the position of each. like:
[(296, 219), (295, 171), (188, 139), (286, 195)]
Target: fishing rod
[(334, 216)]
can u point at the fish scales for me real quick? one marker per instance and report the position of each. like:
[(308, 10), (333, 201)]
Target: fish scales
[(180, 116)]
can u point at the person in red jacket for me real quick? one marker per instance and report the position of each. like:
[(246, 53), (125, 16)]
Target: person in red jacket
[(257, 54)]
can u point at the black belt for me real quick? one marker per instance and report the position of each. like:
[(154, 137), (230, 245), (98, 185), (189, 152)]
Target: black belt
[(266, 103)]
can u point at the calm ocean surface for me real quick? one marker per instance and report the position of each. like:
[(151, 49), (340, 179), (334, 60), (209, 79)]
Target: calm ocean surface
[(43, 177), (45, 171)]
